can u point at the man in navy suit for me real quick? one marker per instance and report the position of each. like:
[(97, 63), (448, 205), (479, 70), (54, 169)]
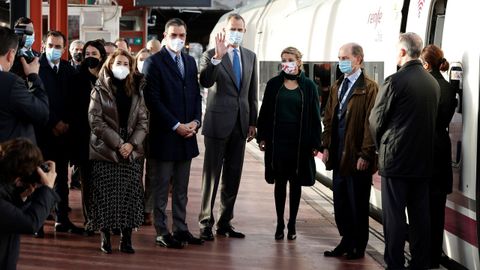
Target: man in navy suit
[(52, 140), (172, 95)]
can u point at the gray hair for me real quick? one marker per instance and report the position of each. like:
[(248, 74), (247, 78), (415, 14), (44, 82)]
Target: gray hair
[(412, 43), (74, 43)]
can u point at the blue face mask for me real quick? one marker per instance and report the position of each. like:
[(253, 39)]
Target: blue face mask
[(53, 54), (29, 40), (235, 37), (345, 66)]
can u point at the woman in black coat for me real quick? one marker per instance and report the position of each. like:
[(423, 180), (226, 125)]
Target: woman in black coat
[(19, 173), (82, 84), (289, 131), (441, 183)]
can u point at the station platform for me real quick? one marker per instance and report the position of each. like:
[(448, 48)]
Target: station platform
[(254, 215)]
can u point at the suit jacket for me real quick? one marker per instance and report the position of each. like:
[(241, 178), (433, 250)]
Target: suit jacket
[(226, 103), (171, 99), (20, 107), (57, 86)]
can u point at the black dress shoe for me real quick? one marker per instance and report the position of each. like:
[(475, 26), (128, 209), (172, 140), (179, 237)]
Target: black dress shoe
[(187, 237), (40, 233), (168, 241), (337, 252), (69, 227), (206, 234), (229, 232), (355, 255)]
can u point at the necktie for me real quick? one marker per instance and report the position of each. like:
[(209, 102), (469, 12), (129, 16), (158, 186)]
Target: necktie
[(180, 65), (346, 81), (55, 69), (236, 68)]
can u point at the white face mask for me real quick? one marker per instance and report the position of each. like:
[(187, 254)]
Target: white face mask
[(120, 72), (289, 67), (176, 44), (235, 38), (140, 65)]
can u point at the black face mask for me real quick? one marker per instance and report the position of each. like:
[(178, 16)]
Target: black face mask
[(78, 56), (91, 62)]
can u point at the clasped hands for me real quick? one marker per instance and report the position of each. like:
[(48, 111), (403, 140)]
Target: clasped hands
[(187, 130), (125, 150)]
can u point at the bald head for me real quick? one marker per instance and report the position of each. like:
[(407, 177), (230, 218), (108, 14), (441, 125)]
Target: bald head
[(350, 53), (154, 45)]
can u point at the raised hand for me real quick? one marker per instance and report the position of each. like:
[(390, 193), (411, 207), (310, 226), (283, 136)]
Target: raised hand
[(220, 47)]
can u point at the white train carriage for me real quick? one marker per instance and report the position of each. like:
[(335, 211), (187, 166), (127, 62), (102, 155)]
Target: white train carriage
[(319, 27)]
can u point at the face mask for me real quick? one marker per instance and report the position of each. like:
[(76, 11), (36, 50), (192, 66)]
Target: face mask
[(78, 56), (289, 67), (91, 62), (176, 44), (345, 66), (140, 66), (29, 40), (120, 72), (235, 37), (53, 54)]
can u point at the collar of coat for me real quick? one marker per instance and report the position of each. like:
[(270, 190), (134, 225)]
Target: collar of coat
[(301, 79)]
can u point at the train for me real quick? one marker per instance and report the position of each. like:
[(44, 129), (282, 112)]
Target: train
[(319, 27)]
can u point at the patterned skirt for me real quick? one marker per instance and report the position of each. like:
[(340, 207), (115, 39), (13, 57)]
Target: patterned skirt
[(117, 195)]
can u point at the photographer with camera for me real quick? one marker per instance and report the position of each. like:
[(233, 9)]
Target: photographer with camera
[(26, 37), (22, 174), (20, 107)]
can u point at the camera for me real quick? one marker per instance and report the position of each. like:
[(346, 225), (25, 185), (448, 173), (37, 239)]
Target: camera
[(34, 178), (22, 31)]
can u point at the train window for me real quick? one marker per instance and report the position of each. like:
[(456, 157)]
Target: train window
[(437, 19), (267, 70)]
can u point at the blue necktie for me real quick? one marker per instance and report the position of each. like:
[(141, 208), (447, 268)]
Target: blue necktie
[(346, 81), (180, 66), (236, 68)]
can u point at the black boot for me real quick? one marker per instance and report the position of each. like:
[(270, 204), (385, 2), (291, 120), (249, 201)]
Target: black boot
[(106, 246), (126, 241)]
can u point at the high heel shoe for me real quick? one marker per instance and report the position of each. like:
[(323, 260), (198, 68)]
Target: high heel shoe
[(279, 235), (292, 234)]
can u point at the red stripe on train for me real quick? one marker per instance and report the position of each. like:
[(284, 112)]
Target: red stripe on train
[(461, 226)]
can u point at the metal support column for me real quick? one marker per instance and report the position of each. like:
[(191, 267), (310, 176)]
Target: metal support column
[(37, 19)]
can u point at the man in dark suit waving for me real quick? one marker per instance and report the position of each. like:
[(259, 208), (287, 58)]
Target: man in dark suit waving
[(230, 71), (172, 96)]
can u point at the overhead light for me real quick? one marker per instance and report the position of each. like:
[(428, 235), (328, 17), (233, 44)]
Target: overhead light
[(189, 11)]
